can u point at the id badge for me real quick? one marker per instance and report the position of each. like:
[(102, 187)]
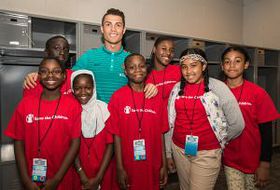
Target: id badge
[(191, 145), (139, 149), (39, 170)]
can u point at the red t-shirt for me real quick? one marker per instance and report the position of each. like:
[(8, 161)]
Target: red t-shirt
[(91, 156), (124, 123), (189, 109), (165, 80), (243, 153), (38, 89), (65, 127)]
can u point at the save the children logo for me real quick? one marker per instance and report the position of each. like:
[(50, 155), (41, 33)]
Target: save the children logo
[(127, 109), (29, 118), (166, 83)]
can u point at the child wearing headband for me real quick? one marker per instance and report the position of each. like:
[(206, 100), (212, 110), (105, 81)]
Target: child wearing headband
[(203, 116)]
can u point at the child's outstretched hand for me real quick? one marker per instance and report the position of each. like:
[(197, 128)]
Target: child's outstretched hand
[(122, 178), (163, 177)]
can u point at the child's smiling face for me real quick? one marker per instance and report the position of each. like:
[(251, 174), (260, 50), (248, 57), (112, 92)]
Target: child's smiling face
[(83, 88), (51, 74)]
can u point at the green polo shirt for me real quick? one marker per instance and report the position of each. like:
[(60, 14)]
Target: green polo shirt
[(107, 68)]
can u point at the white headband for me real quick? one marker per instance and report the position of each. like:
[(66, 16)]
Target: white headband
[(193, 56)]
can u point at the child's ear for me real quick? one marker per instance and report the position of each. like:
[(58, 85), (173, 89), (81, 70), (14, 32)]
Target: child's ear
[(222, 66), (203, 67), (123, 66), (246, 65), (64, 75)]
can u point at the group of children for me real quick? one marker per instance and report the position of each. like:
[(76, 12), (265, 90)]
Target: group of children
[(193, 125)]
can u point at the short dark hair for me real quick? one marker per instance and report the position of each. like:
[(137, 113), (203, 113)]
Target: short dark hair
[(50, 41), (83, 75), (116, 12), (127, 59), (238, 49), (55, 59)]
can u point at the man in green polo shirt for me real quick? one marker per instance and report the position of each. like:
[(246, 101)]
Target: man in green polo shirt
[(106, 61)]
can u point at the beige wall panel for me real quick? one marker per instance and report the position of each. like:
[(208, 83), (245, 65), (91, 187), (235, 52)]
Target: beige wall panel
[(219, 20), (261, 25)]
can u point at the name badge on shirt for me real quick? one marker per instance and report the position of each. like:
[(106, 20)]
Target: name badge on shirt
[(191, 145), (139, 149), (39, 170)]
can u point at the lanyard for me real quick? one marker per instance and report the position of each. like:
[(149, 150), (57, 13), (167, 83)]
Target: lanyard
[(163, 80), (241, 91), (40, 142), (194, 103), (139, 118), (89, 145)]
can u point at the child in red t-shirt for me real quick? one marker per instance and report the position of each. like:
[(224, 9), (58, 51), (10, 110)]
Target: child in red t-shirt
[(162, 73), (138, 125), (203, 116), (46, 129), (93, 164), (247, 158), (160, 70)]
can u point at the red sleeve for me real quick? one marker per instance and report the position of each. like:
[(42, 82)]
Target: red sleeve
[(37, 90), (76, 123), (266, 111), (112, 123), (15, 129)]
